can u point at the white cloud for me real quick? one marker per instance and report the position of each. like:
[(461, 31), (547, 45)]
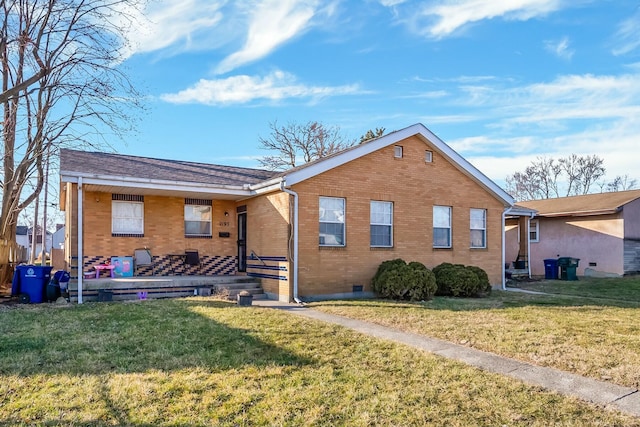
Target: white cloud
[(177, 24), (450, 16), (560, 48), (242, 89), (272, 23), (627, 38), (573, 114)]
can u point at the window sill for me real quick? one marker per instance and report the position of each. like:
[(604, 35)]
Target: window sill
[(332, 248), (381, 248), (443, 248)]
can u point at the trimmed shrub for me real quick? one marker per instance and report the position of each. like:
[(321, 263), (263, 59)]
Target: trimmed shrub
[(397, 280), (387, 265), (456, 280), (483, 278)]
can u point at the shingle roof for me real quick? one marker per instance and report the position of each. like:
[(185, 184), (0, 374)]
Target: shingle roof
[(588, 204), (108, 164)]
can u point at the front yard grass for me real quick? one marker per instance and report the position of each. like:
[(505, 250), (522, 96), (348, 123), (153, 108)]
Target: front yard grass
[(202, 362), (599, 338), (623, 289)]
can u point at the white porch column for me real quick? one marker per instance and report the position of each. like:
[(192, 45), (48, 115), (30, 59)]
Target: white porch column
[(80, 255)]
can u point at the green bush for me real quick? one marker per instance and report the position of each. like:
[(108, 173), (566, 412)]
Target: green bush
[(460, 281), (387, 265), (483, 277), (397, 280)]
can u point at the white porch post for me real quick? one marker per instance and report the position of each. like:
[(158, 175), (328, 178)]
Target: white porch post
[(80, 255)]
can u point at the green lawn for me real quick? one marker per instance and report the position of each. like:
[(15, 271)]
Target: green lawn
[(624, 289), (198, 361), (599, 338)]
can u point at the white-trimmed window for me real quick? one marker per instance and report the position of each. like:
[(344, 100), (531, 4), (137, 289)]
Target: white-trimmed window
[(332, 210), (442, 226), (428, 156), (397, 151), (197, 218), (478, 228), (534, 232), (381, 224), (127, 215)]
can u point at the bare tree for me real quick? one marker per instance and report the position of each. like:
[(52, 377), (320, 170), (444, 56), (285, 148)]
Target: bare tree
[(538, 181), (620, 183), (581, 172), (297, 144), (372, 134), (61, 85), (546, 177)]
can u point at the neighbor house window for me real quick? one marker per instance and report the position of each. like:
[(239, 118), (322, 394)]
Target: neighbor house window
[(197, 218), (441, 226), (381, 224), (478, 227), (127, 215), (533, 231), (332, 221)]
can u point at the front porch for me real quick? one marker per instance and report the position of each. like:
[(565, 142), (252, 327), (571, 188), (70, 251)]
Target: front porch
[(143, 287)]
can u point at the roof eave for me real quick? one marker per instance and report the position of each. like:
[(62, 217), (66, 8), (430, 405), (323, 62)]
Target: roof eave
[(156, 184), (419, 129)]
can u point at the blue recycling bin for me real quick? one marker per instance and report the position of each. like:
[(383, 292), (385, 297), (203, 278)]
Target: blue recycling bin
[(551, 269), (31, 282)]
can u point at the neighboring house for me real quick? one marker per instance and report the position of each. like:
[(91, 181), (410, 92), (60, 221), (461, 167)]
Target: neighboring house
[(24, 237), (316, 231), (602, 230), (22, 240), (57, 239), (47, 244)]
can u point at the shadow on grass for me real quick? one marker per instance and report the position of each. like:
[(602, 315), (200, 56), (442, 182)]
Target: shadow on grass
[(104, 339), (99, 338)]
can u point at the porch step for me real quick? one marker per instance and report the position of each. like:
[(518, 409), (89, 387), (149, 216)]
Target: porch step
[(231, 290), (166, 287)]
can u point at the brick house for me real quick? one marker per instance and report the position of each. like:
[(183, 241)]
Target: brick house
[(316, 231)]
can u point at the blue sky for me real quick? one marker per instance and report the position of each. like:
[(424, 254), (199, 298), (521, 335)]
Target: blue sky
[(500, 81)]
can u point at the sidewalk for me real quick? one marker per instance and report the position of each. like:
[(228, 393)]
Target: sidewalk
[(614, 396)]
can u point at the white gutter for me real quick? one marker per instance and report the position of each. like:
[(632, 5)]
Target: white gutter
[(529, 241), (155, 184), (263, 184), (507, 211), (80, 255), (504, 250), (295, 241)]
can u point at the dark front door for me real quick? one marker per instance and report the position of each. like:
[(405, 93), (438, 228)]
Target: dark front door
[(242, 241)]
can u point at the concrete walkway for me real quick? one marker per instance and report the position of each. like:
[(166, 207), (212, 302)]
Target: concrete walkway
[(614, 396)]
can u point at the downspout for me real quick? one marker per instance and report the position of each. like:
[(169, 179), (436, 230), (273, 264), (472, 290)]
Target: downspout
[(529, 242), (295, 241), (80, 255), (504, 251)]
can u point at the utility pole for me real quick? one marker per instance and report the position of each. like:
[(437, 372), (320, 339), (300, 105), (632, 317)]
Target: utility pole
[(43, 259)]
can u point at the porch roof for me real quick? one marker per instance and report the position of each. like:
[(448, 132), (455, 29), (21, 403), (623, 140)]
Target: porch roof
[(584, 205), (111, 172)]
